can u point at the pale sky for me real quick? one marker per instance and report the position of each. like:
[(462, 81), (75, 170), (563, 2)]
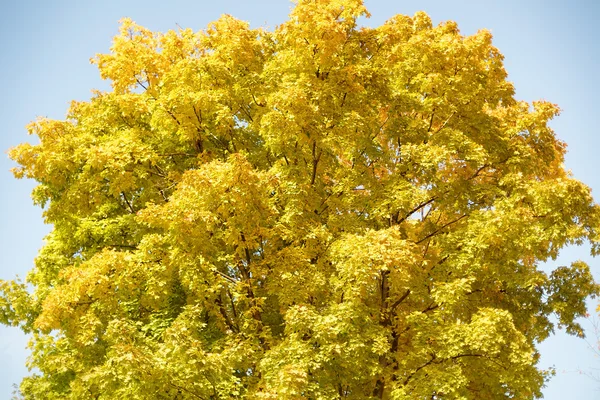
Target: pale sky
[(552, 52)]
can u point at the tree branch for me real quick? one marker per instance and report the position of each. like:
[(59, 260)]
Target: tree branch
[(400, 300), (414, 210), (128, 203), (440, 229), (224, 314), (316, 157)]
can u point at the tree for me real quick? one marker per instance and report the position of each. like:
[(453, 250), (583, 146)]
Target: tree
[(323, 211)]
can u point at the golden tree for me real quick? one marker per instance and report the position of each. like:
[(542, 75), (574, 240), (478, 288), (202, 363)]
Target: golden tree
[(323, 211)]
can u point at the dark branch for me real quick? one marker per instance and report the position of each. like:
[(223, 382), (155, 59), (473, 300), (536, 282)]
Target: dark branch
[(440, 229), (400, 300), (128, 203)]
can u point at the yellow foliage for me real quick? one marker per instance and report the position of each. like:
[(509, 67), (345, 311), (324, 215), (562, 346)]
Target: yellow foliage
[(315, 212)]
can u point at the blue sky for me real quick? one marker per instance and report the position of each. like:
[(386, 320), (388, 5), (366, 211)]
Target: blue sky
[(551, 49)]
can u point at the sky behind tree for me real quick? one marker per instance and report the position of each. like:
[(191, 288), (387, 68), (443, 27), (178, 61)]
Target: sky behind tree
[(550, 50)]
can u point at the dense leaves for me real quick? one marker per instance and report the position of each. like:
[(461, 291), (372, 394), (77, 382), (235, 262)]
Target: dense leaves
[(322, 211)]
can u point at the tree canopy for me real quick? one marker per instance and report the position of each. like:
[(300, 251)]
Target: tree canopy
[(320, 211)]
